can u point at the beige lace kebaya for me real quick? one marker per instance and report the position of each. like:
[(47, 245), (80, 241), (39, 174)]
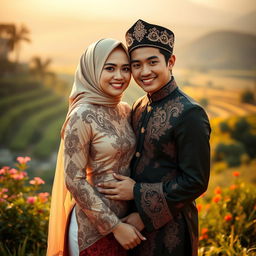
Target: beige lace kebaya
[(96, 138)]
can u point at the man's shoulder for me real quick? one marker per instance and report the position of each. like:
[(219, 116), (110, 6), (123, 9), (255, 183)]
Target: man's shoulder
[(142, 100)]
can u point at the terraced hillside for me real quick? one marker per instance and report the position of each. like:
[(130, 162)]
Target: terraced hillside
[(221, 102), (31, 117)]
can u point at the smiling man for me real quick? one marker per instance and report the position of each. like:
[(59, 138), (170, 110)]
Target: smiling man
[(171, 166)]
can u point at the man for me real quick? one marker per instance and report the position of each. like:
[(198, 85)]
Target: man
[(171, 166)]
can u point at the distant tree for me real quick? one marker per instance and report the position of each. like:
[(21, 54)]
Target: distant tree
[(7, 32), (41, 68), (204, 102), (20, 34), (224, 127), (230, 153), (241, 127), (242, 132), (247, 97)]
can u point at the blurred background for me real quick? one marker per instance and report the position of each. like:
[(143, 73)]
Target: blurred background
[(41, 42)]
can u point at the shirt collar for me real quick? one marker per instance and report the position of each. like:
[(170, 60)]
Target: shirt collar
[(164, 91)]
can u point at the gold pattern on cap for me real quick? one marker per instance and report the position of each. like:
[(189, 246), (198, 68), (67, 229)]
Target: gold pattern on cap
[(139, 31)]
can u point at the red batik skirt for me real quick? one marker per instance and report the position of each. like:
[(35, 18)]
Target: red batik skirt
[(106, 246)]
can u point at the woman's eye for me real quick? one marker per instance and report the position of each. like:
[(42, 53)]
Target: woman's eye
[(126, 69), (109, 68)]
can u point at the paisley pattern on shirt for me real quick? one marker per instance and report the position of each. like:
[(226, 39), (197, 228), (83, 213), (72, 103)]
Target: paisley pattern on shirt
[(154, 203)]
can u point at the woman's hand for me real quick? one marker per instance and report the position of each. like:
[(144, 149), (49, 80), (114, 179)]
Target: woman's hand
[(135, 220), (127, 235)]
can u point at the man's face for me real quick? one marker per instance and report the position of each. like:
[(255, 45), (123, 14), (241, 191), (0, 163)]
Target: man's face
[(149, 68)]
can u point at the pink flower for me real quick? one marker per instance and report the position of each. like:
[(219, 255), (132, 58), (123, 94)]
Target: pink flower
[(2, 171), (23, 160), (19, 176), (13, 171), (43, 197), (31, 199), (37, 181), (4, 190)]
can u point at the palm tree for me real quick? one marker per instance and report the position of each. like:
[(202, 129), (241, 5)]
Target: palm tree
[(21, 34), (40, 67)]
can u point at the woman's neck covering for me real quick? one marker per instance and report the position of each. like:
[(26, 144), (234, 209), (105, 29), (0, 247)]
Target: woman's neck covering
[(86, 87)]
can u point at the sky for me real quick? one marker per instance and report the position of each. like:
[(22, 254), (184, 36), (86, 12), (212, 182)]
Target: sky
[(62, 29)]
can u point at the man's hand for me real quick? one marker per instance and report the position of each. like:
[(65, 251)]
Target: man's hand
[(134, 219), (118, 190)]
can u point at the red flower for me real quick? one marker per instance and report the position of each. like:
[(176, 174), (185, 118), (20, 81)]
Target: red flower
[(233, 187), (236, 174), (217, 198), (204, 231), (217, 190), (228, 217), (199, 207)]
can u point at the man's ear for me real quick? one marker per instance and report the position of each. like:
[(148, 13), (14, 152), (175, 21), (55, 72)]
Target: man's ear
[(171, 62)]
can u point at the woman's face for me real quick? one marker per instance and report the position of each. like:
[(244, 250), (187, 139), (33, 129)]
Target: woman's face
[(116, 74)]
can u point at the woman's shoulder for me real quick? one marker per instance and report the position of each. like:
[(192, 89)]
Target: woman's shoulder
[(80, 109), (124, 105)]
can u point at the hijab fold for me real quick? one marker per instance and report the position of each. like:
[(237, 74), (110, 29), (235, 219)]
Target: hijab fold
[(86, 89)]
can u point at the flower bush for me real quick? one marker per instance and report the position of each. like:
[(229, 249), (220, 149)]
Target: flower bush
[(227, 220), (23, 211)]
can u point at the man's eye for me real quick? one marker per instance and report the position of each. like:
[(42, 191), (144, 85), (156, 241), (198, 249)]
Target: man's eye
[(135, 65), (153, 62)]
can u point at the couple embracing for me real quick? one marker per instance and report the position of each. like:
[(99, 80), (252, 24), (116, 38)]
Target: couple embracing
[(126, 179)]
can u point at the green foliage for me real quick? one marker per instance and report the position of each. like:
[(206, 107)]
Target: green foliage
[(230, 153), (243, 145), (24, 212), (228, 221), (224, 127), (247, 97), (204, 102), (242, 132)]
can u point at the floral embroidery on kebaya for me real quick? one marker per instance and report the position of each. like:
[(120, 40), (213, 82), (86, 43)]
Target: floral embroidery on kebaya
[(102, 121), (72, 170), (97, 139), (72, 143)]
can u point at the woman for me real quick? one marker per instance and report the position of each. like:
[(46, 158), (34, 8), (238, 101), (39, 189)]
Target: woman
[(97, 140)]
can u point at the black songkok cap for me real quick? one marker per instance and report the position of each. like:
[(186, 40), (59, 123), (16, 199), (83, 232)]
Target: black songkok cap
[(143, 34)]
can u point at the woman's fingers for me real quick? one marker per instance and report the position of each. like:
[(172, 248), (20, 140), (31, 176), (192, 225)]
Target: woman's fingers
[(141, 237)]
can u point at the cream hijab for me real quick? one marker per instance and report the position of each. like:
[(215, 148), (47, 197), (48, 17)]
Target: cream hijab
[(86, 89)]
